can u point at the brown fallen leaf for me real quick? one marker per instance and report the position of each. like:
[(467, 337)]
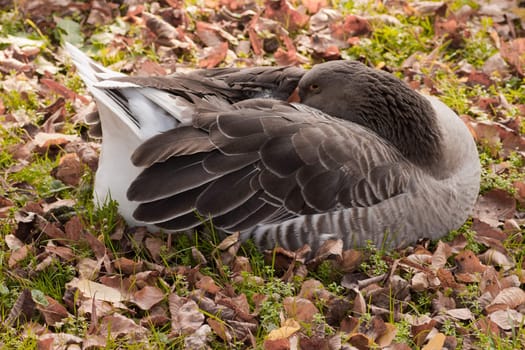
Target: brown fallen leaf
[(314, 342), (313, 6), (58, 88), (212, 56), (65, 253), (507, 319), (441, 255), (69, 169), (18, 255), (460, 314), (336, 311), (493, 206), (241, 264), (300, 309), (277, 344), (220, 329), (497, 258), (420, 331), (186, 317), (239, 304), (147, 297), (157, 316), (43, 141), (88, 268), (154, 246), (52, 341), (53, 312), (118, 326), (508, 298), (283, 12), (360, 304), (387, 336), (361, 341), (314, 290), (356, 26), (207, 284), (513, 52), (128, 266), (199, 338)]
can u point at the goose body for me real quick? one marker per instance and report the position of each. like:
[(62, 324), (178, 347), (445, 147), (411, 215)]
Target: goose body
[(361, 158)]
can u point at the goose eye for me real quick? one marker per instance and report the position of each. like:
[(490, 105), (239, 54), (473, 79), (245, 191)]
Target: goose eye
[(314, 88)]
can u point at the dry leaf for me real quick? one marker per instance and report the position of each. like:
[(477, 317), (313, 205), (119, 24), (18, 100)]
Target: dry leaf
[(314, 290), (55, 341), (69, 169), (513, 52), (128, 266), (441, 255), (361, 341), (497, 258), (300, 309), (212, 56), (147, 297), (313, 6), (18, 255), (43, 141), (507, 319), (207, 284), (199, 339), (13, 243), (436, 343), (154, 246), (88, 268), (508, 298), (94, 290), (277, 344), (186, 317), (289, 327), (117, 326), (65, 253), (468, 262), (53, 312), (386, 337), (461, 314), (220, 329), (283, 12)]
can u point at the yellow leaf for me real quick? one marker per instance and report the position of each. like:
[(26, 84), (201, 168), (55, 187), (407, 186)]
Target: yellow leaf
[(290, 326), (435, 343)]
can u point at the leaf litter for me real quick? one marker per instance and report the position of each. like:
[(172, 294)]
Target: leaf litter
[(431, 295)]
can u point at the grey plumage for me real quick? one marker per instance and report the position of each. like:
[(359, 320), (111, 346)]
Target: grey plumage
[(363, 157)]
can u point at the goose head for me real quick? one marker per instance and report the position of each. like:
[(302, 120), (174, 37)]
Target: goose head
[(378, 101)]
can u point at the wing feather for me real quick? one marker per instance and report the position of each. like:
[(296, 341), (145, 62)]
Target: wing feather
[(270, 162)]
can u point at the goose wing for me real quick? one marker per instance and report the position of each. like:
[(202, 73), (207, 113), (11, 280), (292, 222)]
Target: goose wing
[(231, 84), (262, 161)]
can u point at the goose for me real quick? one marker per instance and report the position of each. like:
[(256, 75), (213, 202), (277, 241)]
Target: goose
[(362, 157)]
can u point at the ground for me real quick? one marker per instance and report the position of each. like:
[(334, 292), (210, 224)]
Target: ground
[(75, 276)]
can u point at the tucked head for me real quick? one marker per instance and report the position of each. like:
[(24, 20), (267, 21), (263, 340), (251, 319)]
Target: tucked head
[(377, 100)]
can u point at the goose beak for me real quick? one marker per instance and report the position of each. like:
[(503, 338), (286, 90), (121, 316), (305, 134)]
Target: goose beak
[(294, 97)]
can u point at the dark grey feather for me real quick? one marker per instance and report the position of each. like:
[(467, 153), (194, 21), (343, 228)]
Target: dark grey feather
[(178, 141)]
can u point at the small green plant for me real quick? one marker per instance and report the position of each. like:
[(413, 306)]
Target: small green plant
[(374, 265), (491, 179), (11, 339), (52, 280), (404, 333)]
